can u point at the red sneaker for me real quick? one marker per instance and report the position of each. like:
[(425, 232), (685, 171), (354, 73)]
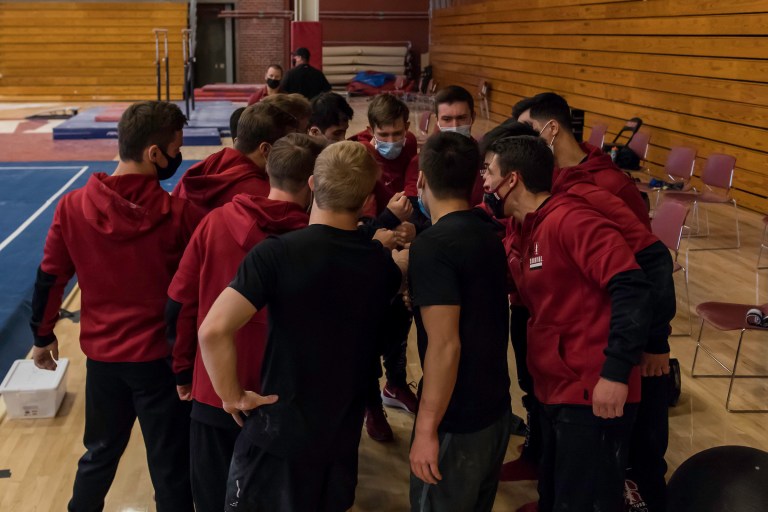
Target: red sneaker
[(529, 507), (400, 397), (377, 426)]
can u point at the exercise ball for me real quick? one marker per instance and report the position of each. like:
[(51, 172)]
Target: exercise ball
[(721, 479)]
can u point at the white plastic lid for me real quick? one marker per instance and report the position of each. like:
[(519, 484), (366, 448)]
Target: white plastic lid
[(25, 376)]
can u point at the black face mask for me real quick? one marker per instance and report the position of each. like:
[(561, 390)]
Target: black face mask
[(495, 203), (272, 83), (163, 173)]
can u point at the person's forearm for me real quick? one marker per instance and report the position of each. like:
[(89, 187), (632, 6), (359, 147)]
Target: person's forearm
[(220, 357), (441, 366)]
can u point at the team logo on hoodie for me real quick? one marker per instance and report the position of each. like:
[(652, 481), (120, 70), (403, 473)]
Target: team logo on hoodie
[(535, 262)]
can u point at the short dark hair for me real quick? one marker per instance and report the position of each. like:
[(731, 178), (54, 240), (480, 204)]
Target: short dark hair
[(262, 122), (233, 120), (276, 66), (291, 161), (530, 157), (545, 106), (329, 109), (301, 52), (147, 123), (451, 163), (509, 128), (386, 109), (455, 94)]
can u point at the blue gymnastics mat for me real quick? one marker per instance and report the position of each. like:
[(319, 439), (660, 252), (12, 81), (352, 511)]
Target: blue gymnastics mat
[(207, 124), (29, 192)]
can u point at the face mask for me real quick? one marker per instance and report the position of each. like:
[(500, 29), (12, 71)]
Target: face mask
[(551, 145), (465, 130), (389, 150), (495, 202), (272, 83), (163, 173), (423, 208)]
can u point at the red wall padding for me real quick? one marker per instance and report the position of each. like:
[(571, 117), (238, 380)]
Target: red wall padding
[(309, 34)]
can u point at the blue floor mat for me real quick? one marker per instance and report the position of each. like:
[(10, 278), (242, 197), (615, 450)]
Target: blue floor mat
[(29, 192)]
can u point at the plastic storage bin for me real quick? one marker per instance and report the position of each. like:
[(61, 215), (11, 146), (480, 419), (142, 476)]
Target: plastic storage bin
[(30, 392)]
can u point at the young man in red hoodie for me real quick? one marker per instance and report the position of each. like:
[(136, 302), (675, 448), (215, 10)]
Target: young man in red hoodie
[(326, 289), (214, 181), (550, 115), (579, 279), (387, 137), (218, 246), (123, 236)]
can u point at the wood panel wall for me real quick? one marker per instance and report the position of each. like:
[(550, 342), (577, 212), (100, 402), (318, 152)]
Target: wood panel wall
[(63, 51), (696, 71)]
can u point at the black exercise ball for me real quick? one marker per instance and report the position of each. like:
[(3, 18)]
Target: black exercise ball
[(721, 479)]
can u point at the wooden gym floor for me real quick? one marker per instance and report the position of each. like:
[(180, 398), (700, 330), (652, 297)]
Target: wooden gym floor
[(42, 454)]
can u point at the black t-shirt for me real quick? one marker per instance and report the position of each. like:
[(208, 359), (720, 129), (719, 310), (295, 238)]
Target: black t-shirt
[(460, 261), (305, 80), (326, 290)]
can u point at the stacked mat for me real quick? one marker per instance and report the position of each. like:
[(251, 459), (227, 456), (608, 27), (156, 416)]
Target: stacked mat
[(342, 63)]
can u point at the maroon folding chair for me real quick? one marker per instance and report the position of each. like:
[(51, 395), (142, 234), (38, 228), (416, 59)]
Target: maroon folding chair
[(679, 169), (717, 177), (725, 316), (597, 136), (763, 243), (667, 224)]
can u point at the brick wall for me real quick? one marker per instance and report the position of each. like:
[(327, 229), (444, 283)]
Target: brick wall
[(260, 42)]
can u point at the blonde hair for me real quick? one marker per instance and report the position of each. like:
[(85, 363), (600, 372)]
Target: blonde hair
[(345, 174)]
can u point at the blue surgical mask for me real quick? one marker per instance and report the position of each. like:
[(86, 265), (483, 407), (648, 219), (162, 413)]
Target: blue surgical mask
[(423, 208), (389, 150), (465, 130)]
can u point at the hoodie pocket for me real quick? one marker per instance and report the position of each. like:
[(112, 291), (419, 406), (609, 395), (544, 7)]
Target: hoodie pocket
[(550, 373)]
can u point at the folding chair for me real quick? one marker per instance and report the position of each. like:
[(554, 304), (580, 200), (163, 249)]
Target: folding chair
[(679, 169), (717, 177), (639, 144), (425, 119), (482, 99), (597, 136), (725, 316), (763, 243), (667, 224)]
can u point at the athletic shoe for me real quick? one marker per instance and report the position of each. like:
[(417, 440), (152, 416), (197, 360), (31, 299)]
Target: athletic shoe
[(529, 507), (400, 397), (633, 502), (376, 424), (517, 470)]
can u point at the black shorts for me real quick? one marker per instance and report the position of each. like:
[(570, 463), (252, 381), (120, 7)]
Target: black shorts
[(321, 480)]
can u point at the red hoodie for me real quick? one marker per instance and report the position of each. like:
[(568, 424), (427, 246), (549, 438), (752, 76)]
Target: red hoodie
[(208, 266), (581, 184), (214, 181), (563, 258), (123, 236), (392, 171), (606, 175)]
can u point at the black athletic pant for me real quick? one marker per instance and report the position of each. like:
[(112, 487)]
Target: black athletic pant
[(584, 459), (648, 444), (320, 479), (115, 395), (210, 456), (392, 344)]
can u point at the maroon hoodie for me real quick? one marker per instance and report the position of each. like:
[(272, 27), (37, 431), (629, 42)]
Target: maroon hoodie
[(581, 184), (209, 264), (564, 256), (606, 175), (214, 181), (123, 236), (393, 171)]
